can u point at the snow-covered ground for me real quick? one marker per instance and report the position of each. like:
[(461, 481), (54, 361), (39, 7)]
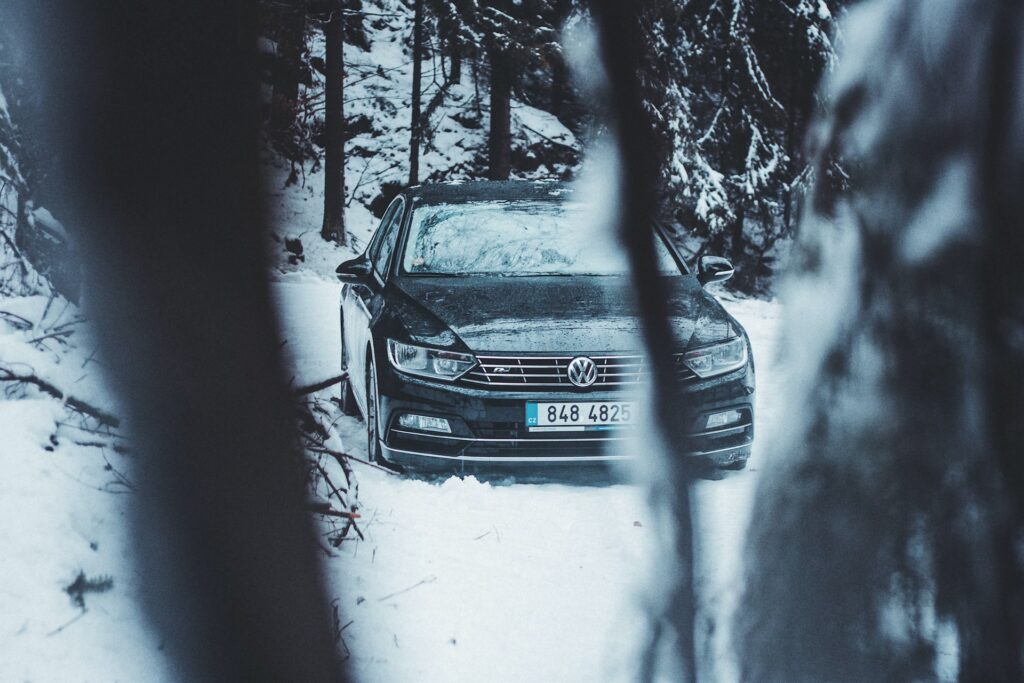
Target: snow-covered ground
[(66, 493), (457, 580), (466, 581)]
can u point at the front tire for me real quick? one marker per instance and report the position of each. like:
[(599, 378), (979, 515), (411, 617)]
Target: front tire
[(373, 453)]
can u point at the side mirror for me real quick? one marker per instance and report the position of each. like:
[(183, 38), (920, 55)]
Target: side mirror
[(713, 269), (354, 271)]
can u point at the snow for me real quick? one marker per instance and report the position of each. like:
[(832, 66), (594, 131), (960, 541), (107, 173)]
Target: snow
[(539, 126), (62, 512), (456, 580), (461, 580)]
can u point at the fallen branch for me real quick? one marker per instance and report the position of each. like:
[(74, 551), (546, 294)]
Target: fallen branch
[(338, 455), (551, 140), (68, 623), (24, 323), (79, 405), (429, 579), (326, 508), (302, 391), (341, 499), (52, 335)]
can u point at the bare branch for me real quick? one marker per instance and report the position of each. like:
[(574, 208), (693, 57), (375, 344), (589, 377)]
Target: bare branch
[(81, 406)]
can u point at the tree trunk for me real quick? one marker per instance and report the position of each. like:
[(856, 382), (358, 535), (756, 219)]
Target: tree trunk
[(417, 71), (559, 69), (896, 489), (475, 62), (453, 48), (738, 238), (500, 140), (286, 74), (559, 85), (455, 57), (156, 119), (673, 621), (333, 229)]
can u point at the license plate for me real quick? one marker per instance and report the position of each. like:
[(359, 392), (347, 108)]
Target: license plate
[(579, 416)]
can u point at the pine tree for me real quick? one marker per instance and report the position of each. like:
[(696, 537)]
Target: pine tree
[(728, 84)]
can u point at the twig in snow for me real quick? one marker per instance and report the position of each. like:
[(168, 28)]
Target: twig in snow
[(81, 406), (330, 511), (24, 323), (67, 623), (101, 432), (312, 388), (429, 579), (342, 501), (52, 335), (338, 455)]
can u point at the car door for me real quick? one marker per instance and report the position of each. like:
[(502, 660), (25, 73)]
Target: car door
[(361, 303)]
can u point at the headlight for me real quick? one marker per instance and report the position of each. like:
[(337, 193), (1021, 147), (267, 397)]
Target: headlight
[(417, 360), (718, 359)]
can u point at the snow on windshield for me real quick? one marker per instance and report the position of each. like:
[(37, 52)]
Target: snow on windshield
[(513, 238)]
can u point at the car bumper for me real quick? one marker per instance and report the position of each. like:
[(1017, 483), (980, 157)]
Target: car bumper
[(489, 430)]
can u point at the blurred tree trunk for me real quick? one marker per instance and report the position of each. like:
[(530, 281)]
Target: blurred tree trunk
[(672, 628), (333, 228), (886, 533), (157, 120), (500, 137)]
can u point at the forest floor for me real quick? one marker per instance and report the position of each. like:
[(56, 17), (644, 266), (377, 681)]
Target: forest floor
[(464, 580), (457, 580)]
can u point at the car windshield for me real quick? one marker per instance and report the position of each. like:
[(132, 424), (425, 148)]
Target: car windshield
[(514, 238)]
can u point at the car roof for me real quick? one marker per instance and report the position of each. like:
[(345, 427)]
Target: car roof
[(459, 192)]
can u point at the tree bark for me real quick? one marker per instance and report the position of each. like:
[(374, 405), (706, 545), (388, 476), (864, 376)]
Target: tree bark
[(417, 73), (333, 229), (500, 140)]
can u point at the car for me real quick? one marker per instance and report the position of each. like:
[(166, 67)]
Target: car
[(488, 324)]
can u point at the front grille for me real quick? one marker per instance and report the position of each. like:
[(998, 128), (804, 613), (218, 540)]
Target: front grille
[(550, 373)]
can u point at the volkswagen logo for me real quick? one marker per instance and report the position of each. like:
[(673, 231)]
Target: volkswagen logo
[(582, 371)]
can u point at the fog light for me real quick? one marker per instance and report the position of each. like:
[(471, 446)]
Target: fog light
[(722, 419), (425, 423)]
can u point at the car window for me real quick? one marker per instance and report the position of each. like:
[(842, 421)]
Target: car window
[(389, 235), (522, 237), (374, 247)]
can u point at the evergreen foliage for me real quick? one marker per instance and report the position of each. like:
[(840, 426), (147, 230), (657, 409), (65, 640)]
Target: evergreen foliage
[(731, 86)]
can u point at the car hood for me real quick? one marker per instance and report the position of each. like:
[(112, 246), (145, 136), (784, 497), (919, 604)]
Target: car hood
[(561, 314)]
